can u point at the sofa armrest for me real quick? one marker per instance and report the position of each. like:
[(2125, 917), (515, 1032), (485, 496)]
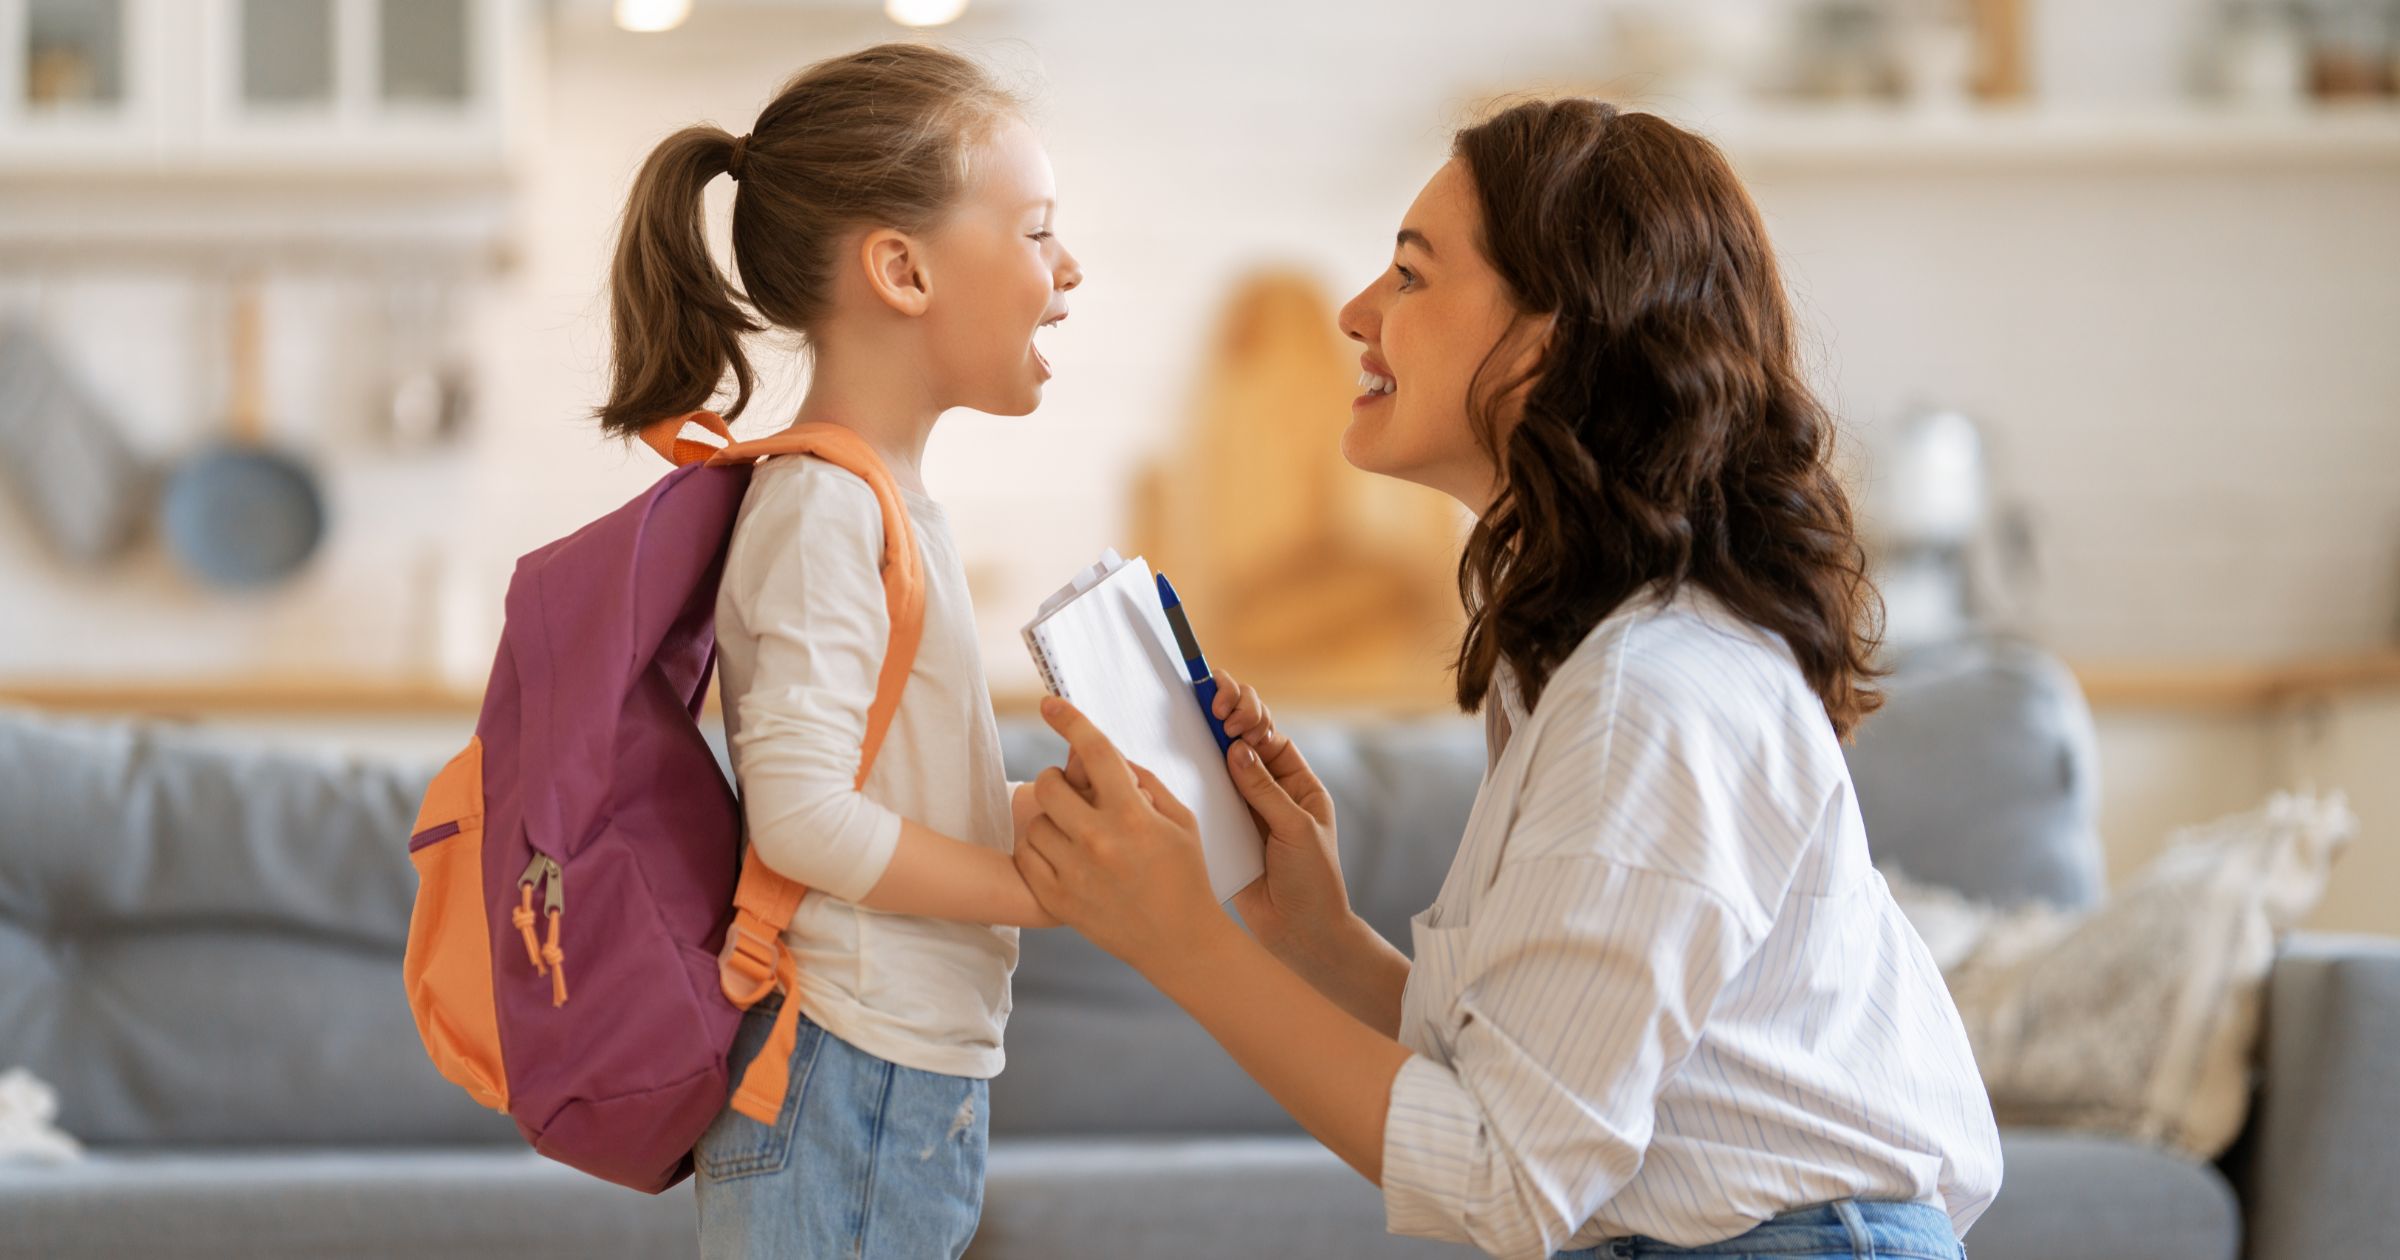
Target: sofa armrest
[(2321, 1171)]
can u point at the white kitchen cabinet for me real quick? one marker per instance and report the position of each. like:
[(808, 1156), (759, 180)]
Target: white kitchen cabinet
[(229, 86)]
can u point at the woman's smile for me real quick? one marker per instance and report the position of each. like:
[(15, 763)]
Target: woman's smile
[(1375, 383)]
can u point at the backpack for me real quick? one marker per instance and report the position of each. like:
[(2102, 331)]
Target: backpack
[(587, 767)]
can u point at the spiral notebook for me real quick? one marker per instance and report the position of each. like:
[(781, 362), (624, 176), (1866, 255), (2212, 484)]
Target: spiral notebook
[(1102, 644)]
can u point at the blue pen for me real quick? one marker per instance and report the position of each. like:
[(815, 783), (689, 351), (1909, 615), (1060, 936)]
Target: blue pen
[(1204, 682)]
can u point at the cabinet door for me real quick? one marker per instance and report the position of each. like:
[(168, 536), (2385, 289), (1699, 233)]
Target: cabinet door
[(256, 85), (356, 81), (425, 55), (435, 77), (78, 76), (285, 57)]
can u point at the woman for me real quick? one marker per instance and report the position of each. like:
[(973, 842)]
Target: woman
[(1662, 1005)]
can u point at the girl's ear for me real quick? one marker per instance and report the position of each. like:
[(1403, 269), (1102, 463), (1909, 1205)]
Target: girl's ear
[(895, 267)]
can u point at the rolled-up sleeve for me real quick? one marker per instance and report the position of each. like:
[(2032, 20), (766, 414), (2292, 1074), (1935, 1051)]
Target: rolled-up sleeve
[(805, 577), (1585, 985)]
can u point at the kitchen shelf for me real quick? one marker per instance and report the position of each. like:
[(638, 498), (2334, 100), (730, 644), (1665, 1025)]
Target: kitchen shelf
[(2238, 688), (1804, 138), (436, 209), (1880, 139)]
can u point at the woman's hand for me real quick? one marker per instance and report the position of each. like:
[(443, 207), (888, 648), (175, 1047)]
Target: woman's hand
[(1119, 859), (1301, 901)]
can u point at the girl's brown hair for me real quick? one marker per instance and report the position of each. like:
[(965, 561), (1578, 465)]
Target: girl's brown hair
[(1667, 436), (877, 137)]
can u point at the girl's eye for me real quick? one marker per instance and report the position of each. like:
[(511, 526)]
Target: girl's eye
[(1041, 236)]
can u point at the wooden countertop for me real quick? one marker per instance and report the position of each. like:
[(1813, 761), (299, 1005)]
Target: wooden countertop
[(2195, 687), (2236, 687)]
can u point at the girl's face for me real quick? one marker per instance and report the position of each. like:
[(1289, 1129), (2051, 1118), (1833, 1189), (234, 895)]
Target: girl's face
[(999, 275), (1428, 323)]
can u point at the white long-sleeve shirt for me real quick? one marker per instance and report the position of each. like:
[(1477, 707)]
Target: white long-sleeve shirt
[(801, 634), (1662, 990)]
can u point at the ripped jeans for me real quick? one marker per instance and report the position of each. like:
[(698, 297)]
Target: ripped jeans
[(867, 1160)]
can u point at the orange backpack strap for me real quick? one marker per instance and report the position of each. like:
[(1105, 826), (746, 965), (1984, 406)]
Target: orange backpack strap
[(756, 959), (664, 436)]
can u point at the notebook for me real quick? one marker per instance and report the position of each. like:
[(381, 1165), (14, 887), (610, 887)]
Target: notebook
[(1102, 643)]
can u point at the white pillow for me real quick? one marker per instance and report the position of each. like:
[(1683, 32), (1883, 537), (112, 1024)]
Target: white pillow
[(2137, 1018), (28, 1108)]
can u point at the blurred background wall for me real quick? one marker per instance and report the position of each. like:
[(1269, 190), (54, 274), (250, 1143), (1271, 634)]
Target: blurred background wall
[(2106, 296)]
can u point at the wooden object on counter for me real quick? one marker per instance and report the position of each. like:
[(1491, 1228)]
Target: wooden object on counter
[(279, 693), (2207, 688), (1316, 582), (2000, 48)]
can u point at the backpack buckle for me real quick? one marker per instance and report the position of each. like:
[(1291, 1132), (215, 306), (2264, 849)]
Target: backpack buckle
[(746, 966)]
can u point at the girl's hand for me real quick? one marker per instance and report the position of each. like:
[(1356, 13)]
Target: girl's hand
[(1120, 862), (1301, 901)]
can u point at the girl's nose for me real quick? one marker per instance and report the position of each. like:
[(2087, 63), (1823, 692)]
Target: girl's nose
[(1070, 274)]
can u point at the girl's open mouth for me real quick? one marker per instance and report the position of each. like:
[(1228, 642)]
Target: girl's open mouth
[(1038, 357)]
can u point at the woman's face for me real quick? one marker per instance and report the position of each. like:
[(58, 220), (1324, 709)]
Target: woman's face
[(1428, 323), (1003, 275)]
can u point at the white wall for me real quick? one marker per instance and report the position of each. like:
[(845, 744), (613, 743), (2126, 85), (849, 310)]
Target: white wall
[(2188, 373)]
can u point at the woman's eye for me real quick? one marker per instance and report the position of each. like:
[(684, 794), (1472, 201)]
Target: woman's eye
[(1408, 279)]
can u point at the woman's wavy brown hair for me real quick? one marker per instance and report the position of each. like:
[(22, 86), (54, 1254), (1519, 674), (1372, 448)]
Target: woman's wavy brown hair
[(1666, 434)]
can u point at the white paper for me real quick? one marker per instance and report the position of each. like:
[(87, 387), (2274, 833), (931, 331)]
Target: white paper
[(1112, 655)]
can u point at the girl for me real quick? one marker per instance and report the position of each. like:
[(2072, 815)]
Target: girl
[(893, 209), (1663, 1005)]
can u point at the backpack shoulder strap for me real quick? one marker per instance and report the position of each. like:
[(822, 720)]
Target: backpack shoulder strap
[(755, 959), (903, 565)]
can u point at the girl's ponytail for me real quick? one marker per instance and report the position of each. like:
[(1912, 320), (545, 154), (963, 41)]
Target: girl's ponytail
[(877, 137), (676, 325)]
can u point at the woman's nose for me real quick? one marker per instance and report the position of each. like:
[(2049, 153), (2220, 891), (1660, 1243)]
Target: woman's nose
[(1357, 319)]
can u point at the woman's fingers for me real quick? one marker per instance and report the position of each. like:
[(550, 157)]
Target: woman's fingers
[(1161, 799), (1035, 864), (1062, 806), (1291, 772), (1243, 712), (1111, 780), (1265, 794)]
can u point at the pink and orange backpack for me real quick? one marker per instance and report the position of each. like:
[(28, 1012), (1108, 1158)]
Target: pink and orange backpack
[(587, 768)]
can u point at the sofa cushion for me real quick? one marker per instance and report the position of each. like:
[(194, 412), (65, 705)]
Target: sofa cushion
[(466, 1203), (202, 939), (2067, 1196), (1980, 772), (1176, 1198)]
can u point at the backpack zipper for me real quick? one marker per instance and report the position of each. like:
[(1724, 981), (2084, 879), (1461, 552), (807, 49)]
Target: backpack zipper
[(547, 959)]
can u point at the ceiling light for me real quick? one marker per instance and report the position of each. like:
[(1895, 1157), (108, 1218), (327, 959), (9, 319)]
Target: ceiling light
[(652, 15), (924, 12)]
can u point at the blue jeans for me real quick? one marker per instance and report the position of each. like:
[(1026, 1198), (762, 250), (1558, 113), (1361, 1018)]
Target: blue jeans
[(1852, 1227), (867, 1160)]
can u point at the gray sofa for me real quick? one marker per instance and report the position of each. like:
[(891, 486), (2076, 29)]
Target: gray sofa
[(200, 941)]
